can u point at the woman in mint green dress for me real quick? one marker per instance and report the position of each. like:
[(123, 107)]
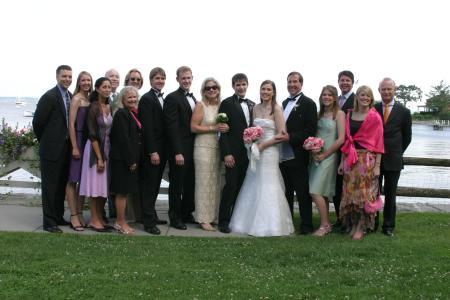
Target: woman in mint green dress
[(323, 166)]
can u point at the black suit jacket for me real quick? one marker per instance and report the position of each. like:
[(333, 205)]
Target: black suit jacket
[(50, 125), (177, 117), (397, 136), (152, 119), (232, 142), (301, 124), (348, 103), (125, 139)]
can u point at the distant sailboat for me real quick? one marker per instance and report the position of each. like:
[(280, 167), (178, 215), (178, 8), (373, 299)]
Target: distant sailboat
[(20, 102), (28, 113)]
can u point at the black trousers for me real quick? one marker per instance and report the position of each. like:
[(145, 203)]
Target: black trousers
[(338, 194), (234, 178), (54, 175), (390, 194), (296, 179), (149, 189), (181, 189)]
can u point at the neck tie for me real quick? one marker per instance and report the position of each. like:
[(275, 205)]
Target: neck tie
[(387, 112), (67, 103), (160, 95), (242, 100), (341, 100), (189, 95)]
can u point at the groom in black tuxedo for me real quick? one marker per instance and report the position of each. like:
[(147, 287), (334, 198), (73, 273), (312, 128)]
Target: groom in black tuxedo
[(154, 146), (240, 116), (178, 107), (50, 124), (300, 113)]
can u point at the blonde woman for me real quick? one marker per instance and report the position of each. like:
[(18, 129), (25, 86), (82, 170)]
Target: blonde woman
[(207, 154)]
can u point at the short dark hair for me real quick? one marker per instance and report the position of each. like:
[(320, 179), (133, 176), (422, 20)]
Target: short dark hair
[(63, 67), (156, 71), (238, 77), (300, 77), (348, 74)]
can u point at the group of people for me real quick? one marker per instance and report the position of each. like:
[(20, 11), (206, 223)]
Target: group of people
[(113, 146)]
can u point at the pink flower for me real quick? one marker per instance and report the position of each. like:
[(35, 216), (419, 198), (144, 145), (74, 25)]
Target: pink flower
[(313, 144), (252, 134)]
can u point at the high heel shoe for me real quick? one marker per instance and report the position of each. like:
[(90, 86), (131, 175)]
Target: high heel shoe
[(122, 230), (78, 227)]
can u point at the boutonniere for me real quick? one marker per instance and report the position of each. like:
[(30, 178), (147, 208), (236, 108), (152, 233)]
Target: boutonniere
[(296, 106)]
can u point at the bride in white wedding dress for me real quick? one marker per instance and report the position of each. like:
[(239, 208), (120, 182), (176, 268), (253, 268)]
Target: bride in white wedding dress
[(261, 208)]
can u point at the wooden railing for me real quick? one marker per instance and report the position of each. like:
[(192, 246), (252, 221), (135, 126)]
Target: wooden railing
[(30, 162)]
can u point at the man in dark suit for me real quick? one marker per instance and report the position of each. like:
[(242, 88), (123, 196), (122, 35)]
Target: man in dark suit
[(300, 113), (397, 137), (178, 108), (154, 157), (50, 124), (346, 80), (240, 116)]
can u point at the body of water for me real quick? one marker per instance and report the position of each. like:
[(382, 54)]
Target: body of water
[(426, 142)]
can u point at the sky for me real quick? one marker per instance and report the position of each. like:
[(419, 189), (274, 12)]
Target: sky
[(404, 40)]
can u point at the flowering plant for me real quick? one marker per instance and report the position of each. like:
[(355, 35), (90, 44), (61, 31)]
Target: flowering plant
[(313, 144), (222, 118), (252, 134), (14, 141)]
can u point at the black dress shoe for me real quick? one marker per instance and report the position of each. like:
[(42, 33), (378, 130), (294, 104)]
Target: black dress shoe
[(152, 230), (224, 229), (189, 219), (161, 222), (389, 232), (53, 229), (178, 225), (62, 222)]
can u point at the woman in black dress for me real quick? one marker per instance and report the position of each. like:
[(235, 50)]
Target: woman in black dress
[(124, 155)]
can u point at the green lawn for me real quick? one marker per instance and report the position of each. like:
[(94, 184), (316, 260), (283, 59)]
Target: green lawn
[(413, 265)]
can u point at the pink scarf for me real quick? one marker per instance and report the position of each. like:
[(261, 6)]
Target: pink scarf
[(134, 114), (369, 136)]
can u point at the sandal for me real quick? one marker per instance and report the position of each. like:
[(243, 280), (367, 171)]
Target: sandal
[(78, 227), (323, 230), (207, 227), (122, 230), (82, 221)]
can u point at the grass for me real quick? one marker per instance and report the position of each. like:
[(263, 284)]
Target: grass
[(413, 265)]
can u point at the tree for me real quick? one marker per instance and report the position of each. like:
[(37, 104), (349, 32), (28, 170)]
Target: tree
[(408, 93), (439, 100)]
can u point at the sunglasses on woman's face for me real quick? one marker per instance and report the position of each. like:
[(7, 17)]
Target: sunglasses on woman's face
[(211, 88), (135, 79)]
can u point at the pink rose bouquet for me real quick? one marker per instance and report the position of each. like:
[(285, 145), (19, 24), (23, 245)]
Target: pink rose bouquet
[(313, 144), (252, 134)]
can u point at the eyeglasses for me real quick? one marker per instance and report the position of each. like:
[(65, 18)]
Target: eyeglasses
[(135, 79), (211, 88)]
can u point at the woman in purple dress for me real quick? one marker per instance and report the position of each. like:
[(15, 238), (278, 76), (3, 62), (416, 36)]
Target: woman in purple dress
[(78, 111), (94, 172)]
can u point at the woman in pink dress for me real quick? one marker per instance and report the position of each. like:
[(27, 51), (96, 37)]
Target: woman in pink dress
[(94, 173), (77, 117)]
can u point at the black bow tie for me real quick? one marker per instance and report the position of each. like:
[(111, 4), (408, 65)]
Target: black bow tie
[(157, 93), (242, 100), (293, 98), (189, 95)]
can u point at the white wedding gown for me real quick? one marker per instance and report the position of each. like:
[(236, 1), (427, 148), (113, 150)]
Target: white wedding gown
[(261, 208)]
